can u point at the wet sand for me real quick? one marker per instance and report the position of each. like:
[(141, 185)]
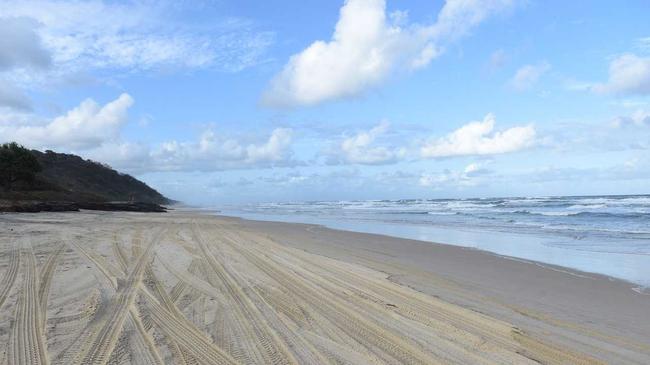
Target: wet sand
[(184, 288)]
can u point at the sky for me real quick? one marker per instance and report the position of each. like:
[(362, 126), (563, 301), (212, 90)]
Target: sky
[(229, 102)]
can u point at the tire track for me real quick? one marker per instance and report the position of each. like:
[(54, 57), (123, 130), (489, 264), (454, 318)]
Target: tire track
[(187, 335), (454, 344), (46, 274), (248, 317), (10, 275), (27, 343), (167, 302), (110, 272), (144, 337), (467, 336), (303, 351), (193, 281), (101, 341), (351, 323), (177, 290), (458, 326), (119, 254)]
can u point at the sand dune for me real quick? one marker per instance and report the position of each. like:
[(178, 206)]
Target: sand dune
[(189, 289)]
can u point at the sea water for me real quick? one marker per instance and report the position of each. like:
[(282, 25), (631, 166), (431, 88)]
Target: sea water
[(608, 235)]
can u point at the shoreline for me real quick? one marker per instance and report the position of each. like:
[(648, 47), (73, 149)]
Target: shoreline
[(641, 287), (279, 275)]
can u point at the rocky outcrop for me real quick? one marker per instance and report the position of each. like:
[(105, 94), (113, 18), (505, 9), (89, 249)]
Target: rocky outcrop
[(35, 207)]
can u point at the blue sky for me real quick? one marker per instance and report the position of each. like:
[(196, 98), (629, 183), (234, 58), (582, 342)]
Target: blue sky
[(219, 102)]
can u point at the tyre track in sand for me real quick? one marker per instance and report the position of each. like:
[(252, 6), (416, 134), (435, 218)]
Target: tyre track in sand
[(465, 330), (46, 273), (461, 331), (338, 307), (386, 345), (302, 350), (263, 344), (27, 343), (104, 337), (181, 356), (463, 336), (144, 340), (207, 352), (10, 275), (120, 254), (187, 335)]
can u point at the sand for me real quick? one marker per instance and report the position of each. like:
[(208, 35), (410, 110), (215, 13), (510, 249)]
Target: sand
[(187, 288)]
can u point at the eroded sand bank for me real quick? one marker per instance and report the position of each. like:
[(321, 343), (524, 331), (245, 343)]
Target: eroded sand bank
[(184, 288)]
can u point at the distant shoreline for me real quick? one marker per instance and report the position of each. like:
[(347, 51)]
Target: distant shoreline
[(606, 235), (645, 290)]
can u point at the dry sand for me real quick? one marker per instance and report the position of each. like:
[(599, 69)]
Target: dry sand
[(185, 288)]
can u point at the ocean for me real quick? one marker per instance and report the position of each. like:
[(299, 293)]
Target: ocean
[(607, 235)]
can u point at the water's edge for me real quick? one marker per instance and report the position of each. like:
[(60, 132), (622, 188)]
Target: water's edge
[(634, 269)]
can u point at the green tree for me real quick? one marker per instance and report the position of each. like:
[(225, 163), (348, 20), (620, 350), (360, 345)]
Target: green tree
[(17, 164)]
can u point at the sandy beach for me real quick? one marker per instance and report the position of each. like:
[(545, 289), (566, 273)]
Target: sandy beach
[(190, 288)]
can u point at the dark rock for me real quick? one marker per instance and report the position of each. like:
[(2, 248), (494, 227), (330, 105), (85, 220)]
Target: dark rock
[(35, 207)]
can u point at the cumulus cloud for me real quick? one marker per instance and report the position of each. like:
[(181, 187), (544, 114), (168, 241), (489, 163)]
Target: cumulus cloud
[(87, 125), (360, 149), (628, 74), (367, 45), (527, 76), (478, 138), (273, 150), (20, 45)]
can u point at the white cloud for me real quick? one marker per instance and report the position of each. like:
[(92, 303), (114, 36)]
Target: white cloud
[(86, 126), (366, 47), (359, 149), (527, 76), (273, 150), (129, 36), (478, 138), (628, 74)]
